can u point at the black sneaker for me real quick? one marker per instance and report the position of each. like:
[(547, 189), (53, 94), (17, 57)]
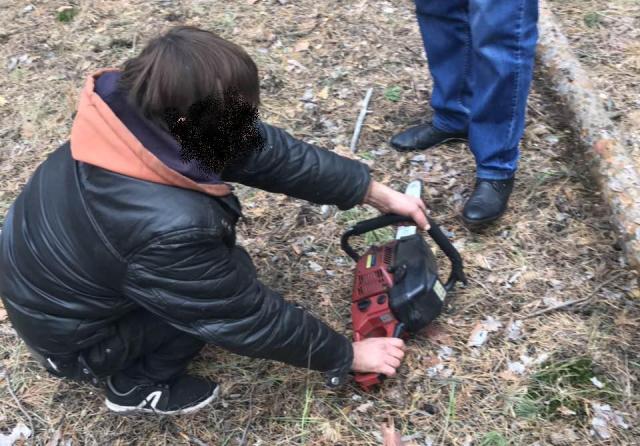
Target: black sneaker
[(185, 394), (423, 137)]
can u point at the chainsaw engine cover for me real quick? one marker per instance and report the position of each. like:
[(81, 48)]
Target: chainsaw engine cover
[(417, 296)]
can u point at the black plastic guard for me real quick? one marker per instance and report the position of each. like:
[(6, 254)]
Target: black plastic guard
[(417, 296)]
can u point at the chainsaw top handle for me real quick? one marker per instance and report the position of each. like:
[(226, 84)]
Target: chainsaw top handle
[(457, 273)]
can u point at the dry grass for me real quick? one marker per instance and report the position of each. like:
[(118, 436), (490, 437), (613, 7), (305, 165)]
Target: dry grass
[(555, 243)]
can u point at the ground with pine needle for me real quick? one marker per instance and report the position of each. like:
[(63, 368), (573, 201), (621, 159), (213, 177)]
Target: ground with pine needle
[(543, 376)]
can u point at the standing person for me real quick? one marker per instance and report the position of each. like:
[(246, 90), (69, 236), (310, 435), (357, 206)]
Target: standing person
[(481, 55), (118, 260)]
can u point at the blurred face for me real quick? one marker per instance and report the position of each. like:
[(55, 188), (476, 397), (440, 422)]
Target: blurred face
[(217, 132)]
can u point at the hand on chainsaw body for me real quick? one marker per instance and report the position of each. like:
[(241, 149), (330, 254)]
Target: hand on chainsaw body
[(389, 201), (378, 355)]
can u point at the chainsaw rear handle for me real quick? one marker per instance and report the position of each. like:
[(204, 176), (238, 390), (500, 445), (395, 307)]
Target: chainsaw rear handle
[(457, 272)]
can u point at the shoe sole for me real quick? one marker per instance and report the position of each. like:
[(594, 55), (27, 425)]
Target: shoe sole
[(132, 410), (445, 141)]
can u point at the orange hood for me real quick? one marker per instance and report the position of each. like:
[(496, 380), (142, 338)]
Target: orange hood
[(99, 138)]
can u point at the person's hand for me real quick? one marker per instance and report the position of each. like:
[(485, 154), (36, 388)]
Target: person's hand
[(387, 201), (378, 355)]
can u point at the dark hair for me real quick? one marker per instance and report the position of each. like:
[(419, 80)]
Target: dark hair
[(184, 66), (201, 88)]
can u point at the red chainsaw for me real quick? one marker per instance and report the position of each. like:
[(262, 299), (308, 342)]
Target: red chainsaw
[(397, 290)]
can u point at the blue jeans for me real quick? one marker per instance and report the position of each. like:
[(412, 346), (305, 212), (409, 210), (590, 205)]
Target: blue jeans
[(481, 55)]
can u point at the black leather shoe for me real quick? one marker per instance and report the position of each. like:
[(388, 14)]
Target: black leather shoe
[(422, 137), (487, 202)]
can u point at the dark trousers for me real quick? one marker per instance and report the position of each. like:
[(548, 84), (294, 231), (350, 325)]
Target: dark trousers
[(143, 349)]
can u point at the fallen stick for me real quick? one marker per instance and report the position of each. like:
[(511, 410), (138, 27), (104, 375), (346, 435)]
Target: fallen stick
[(573, 301), (557, 307), (135, 40), (360, 121), (177, 430), (20, 407), (611, 164), (245, 432)]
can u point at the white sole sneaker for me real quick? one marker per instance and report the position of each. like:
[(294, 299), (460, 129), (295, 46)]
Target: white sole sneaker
[(140, 409)]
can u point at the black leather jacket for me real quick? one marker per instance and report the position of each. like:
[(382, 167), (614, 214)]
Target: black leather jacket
[(82, 246)]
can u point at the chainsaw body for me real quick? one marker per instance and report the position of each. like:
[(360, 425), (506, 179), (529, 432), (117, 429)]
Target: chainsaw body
[(397, 290)]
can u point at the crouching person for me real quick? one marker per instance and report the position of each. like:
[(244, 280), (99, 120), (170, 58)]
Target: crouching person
[(118, 260)]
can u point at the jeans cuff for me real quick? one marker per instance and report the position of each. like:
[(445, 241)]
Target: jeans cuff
[(494, 174), (439, 124)]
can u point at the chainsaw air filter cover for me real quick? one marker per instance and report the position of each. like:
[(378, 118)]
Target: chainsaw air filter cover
[(417, 295)]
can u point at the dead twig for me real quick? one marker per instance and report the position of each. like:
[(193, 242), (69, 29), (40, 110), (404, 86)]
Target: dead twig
[(182, 433), (197, 441), (360, 121), (7, 378), (243, 440), (573, 301), (133, 44)]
